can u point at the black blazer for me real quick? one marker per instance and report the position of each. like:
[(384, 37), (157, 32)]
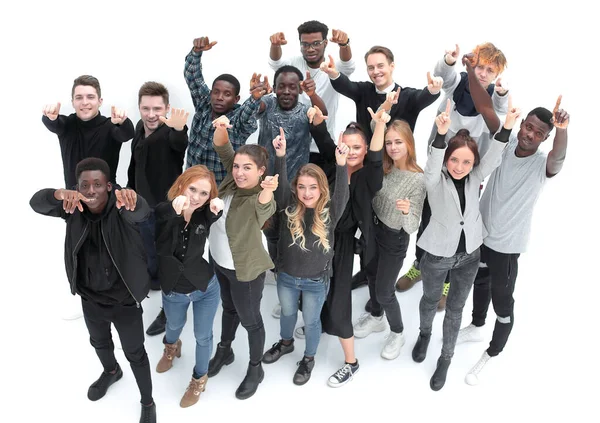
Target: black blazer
[(194, 267)]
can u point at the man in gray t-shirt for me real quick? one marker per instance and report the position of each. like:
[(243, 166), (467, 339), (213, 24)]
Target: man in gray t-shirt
[(506, 208)]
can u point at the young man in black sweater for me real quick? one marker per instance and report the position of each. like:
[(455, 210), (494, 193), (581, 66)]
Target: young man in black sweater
[(399, 102), (106, 266), (157, 154), (86, 133)]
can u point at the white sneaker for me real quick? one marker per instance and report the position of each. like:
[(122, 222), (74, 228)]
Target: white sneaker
[(276, 313), (472, 377), (471, 333), (270, 278), (393, 345), (368, 324), (299, 332)]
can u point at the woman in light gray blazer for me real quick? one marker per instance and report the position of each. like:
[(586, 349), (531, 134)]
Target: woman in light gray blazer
[(452, 239)]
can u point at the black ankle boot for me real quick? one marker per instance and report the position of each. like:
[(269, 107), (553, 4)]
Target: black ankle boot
[(360, 279), (249, 385), (439, 376), (148, 413), (223, 357), (419, 352), (98, 389), (158, 325)]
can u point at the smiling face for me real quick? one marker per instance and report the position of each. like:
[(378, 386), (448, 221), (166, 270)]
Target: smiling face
[(380, 70), (151, 107), (312, 47), (531, 134), (85, 101), (460, 162), (94, 186), (357, 149), (245, 172), (308, 191), (223, 97), (395, 146), (198, 192), (287, 88)]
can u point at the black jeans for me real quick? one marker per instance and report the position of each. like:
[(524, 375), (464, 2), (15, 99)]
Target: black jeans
[(497, 286), (130, 327), (241, 303), (382, 272)]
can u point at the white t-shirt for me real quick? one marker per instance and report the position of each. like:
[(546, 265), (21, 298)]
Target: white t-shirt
[(509, 198), (324, 88), (218, 242)]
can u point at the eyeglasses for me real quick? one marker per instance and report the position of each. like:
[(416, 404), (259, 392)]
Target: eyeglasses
[(314, 44)]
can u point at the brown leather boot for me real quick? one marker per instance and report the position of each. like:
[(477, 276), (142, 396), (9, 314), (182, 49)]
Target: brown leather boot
[(170, 352), (409, 280), (193, 391)]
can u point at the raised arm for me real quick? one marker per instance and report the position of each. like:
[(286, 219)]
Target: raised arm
[(244, 122), (132, 207), (343, 41), (178, 138), (52, 119), (556, 156), (310, 88), (425, 97), (277, 40), (435, 160), (445, 68), (341, 191), (193, 73), (122, 130), (481, 98), (283, 192), (319, 132), (221, 142), (340, 82)]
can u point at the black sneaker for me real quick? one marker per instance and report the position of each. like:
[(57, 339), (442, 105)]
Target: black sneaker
[(98, 389), (343, 375), (276, 351), (159, 324), (148, 413), (302, 374)]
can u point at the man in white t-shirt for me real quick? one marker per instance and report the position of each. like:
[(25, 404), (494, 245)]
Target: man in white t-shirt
[(506, 208), (313, 42)]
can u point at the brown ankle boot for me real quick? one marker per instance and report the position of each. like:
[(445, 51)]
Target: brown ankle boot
[(193, 391), (170, 352)]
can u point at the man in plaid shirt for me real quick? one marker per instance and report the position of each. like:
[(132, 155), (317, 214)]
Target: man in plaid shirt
[(211, 103)]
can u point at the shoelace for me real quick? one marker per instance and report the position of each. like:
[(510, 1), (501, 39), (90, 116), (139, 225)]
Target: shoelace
[(393, 338), (482, 361), (339, 375), (363, 318), (302, 366)]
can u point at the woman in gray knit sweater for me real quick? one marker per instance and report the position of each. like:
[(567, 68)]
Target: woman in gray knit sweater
[(396, 214)]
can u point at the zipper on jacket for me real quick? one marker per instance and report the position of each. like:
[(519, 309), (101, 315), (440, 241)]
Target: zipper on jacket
[(137, 304), (74, 257)]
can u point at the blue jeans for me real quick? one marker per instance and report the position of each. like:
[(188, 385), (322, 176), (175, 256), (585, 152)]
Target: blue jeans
[(147, 232), (314, 292), (205, 307)]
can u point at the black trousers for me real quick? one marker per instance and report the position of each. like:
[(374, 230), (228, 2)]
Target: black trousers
[(496, 285), (130, 327), (241, 304)]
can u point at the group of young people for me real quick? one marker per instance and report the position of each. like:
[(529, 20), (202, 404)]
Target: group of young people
[(317, 202)]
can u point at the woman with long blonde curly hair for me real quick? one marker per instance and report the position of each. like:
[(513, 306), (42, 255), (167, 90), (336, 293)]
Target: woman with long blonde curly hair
[(308, 216)]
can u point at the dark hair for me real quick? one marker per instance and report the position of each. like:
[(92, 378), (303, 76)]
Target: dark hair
[(310, 27), (231, 79), (257, 153), (544, 115), (462, 139), (88, 80), (383, 50), (355, 128), (287, 69), (92, 163), (153, 89)]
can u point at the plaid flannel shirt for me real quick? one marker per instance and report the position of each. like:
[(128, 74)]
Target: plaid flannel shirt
[(200, 147)]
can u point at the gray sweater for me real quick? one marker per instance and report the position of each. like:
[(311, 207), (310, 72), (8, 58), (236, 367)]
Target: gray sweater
[(293, 260), (398, 185)]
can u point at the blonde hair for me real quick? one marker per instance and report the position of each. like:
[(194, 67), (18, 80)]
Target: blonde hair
[(295, 213), (403, 129)]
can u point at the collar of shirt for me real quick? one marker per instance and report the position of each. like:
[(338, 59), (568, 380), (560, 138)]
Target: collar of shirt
[(387, 89)]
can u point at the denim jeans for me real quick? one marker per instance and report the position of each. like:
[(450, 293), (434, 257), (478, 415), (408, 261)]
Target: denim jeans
[(314, 292), (382, 272), (433, 270), (498, 287), (205, 307), (147, 232), (241, 304)]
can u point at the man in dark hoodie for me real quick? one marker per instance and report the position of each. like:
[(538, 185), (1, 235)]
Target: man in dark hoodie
[(106, 265)]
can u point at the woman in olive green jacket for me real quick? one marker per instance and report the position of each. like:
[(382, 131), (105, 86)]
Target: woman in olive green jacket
[(237, 251)]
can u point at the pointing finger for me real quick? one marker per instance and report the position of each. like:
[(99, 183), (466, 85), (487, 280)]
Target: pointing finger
[(448, 107)]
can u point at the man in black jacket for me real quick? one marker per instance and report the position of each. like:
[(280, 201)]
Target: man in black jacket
[(157, 154), (106, 266)]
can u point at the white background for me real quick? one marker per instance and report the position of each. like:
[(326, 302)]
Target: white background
[(549, 369)]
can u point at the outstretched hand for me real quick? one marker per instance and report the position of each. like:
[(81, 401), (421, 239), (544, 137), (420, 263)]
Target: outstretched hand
[(216, 205), (203, 44), (500, 88), (560, 117), (278, 39), (380, 117), (315, 116), (451, 55), (71, 199), (434, 84), (338, 37), (222, 122), (270, 183), (180, 203), (126, 198), (51, 111), (259, 88), (117, 116), (443, 121), (328, 66), (177, 120)]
